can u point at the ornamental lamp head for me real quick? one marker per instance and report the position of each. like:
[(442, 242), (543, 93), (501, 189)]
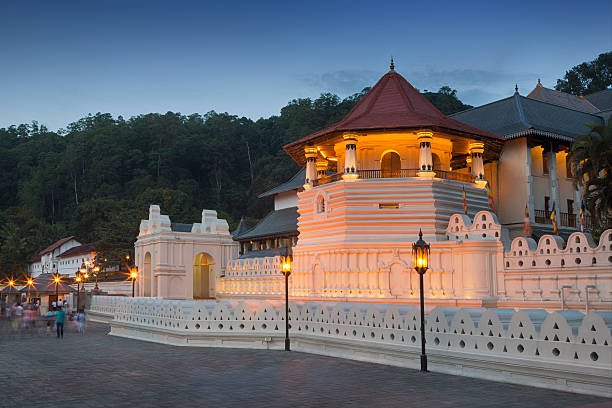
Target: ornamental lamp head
[(420, 252), (286, 263)]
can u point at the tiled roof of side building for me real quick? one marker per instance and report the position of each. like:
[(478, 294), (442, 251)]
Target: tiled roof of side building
[(602, 99), (516, 115), (564, 99), (277, 222), (77, 250), (296, 182), (55, 245)]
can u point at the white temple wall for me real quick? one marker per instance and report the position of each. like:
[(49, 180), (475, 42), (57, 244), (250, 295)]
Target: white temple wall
[(561, 350), (470, 268), (285, 200), (357, 211)]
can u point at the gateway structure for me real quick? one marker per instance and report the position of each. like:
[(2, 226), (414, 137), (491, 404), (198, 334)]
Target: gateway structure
[(392, 166)]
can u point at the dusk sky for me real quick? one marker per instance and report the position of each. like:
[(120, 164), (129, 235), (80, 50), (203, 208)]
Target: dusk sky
[(64, 59)]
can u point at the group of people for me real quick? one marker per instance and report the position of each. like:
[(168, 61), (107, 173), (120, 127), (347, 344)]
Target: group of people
[(24, 317)]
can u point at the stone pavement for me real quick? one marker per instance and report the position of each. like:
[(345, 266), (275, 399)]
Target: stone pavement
[(96, 370)]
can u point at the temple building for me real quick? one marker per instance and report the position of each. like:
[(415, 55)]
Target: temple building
[(394, 166), (534, 167)]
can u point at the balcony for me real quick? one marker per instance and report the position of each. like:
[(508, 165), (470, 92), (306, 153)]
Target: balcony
[(403, 173), (569, 220)]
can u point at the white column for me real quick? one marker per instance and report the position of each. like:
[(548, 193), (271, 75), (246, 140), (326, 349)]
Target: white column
[(350, 157), (424, 138), (554, 183), (529, 176), (311, 171), (476, 153)]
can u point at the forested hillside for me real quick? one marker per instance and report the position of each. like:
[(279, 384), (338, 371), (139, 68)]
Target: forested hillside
[(96, 178)]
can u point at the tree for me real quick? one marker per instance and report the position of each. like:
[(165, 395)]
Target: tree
[(588, 77), (446, 100), (591, 161)]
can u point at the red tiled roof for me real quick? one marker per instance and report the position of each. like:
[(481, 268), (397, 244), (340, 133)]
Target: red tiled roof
[(55, 245), (394, 104), (77, 250)]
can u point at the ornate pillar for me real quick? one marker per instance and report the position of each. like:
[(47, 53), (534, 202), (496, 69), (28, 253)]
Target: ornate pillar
[(311, 171), (425, 159), (321, 168), (476, 153), (554, 183), (350, 157), (529, 176)]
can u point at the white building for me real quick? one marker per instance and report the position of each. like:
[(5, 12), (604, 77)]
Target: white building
[(47, 260)]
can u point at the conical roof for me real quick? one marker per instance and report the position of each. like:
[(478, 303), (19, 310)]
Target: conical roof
[(391, 104)]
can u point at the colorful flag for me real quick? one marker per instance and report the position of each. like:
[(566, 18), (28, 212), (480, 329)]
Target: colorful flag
[(490, 197), (582, 216), (553, 218), (527, 226), (464, 201)]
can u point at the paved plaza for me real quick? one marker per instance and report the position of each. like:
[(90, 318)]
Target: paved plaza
[(96, 370)]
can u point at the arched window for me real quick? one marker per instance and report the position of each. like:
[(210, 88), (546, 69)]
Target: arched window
[(390, 165), (320, 204)]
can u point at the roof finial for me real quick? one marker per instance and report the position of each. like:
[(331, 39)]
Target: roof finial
[(515, 88), (539, 85), (392, 65)]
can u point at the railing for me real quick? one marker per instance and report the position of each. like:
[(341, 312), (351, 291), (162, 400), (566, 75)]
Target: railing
[(377, 174), (568, 220), (542, 217), (327, 179)]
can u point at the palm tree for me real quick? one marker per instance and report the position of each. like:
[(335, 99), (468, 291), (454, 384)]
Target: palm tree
[(591, 161)]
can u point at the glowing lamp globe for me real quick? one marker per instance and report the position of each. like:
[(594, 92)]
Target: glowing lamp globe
[(420, 253), (286, 264)]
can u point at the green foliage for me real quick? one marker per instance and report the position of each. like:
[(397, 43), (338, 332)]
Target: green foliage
[(588, 77), (591, 161), (446, 100), (96, 179)]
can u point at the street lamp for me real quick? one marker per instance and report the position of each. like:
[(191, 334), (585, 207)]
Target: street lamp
[(133, 277), (96, 271), (30, 283), (57, 279), (420, 253), (286, 264), (78, 278), (11, 283)]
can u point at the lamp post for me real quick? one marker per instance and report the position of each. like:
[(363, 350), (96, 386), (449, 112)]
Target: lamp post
[(286, 265), (78, 278), (57, 280), (96, 271), (420, 253), (30, 283), (11, 284), (133, 277)]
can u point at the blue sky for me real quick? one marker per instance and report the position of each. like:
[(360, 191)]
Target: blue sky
[(61, 60)]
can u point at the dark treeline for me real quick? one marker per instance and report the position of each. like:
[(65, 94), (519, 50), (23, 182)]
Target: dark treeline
[(96, 179)]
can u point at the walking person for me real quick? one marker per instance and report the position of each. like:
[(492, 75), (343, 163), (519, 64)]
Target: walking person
[(60, 316)]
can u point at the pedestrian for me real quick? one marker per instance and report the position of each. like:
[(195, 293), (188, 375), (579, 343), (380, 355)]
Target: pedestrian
[(60, 316), (81, 322), (54, 305)]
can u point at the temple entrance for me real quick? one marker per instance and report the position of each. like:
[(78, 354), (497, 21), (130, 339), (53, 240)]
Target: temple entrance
[(202, 275), (390, 165)]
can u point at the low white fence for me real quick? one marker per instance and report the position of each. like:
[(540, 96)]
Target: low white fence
[(560, 350)]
